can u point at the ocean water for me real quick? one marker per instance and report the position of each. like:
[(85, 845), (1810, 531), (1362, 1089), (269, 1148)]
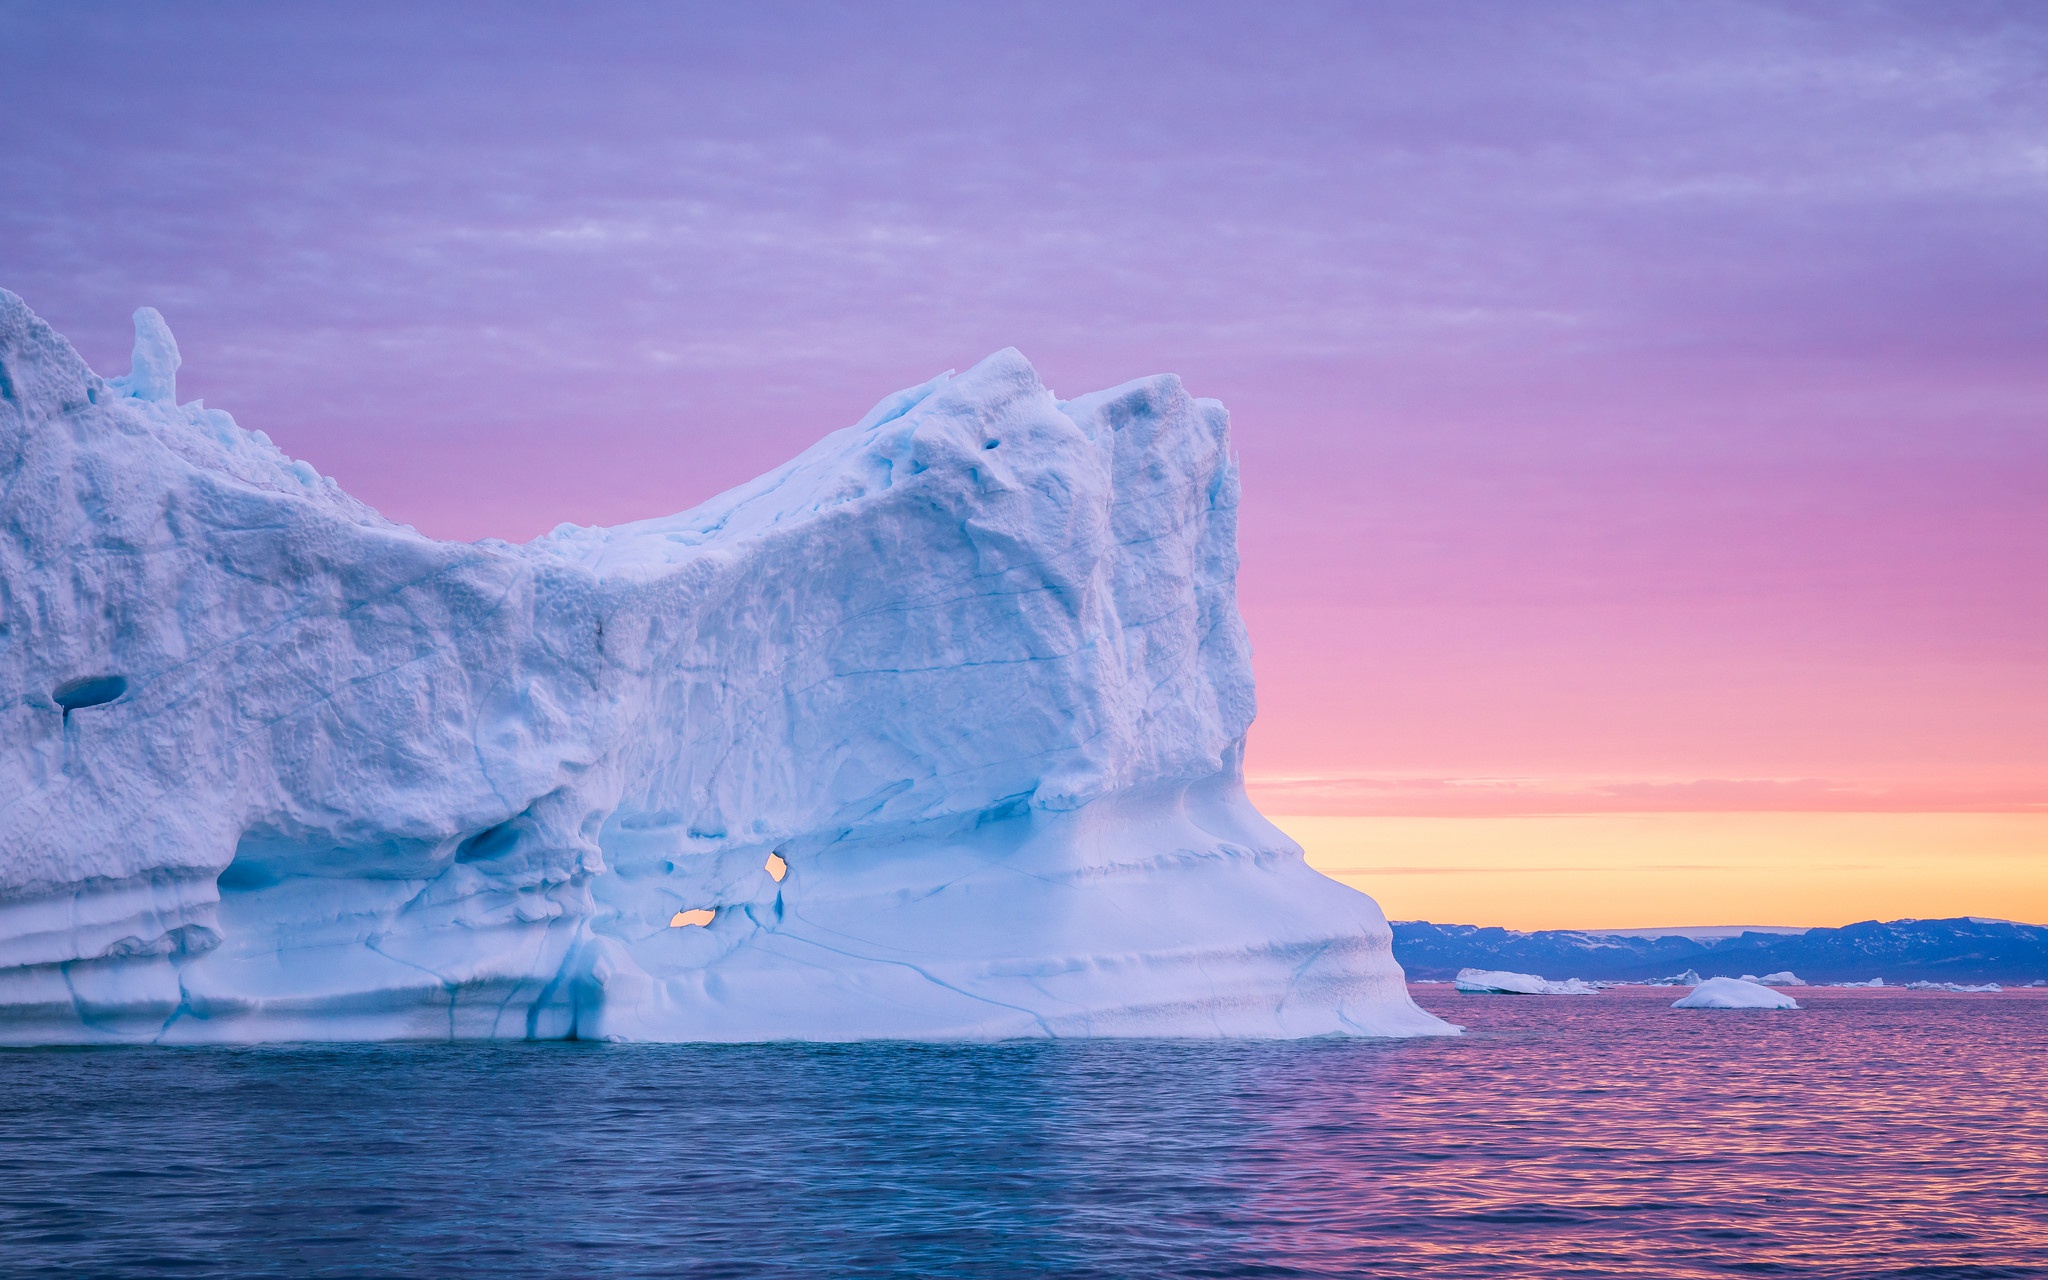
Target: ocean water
[(1870, 1134)]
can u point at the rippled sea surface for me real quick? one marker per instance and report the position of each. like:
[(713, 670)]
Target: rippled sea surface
[(1869, 1134)]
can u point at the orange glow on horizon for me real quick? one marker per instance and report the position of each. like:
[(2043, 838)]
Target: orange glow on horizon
[(1641, 870)]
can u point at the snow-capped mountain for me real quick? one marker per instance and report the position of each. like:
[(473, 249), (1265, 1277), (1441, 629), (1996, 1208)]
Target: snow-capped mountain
[(1966, 949)]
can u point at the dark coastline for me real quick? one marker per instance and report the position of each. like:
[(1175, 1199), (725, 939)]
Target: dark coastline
[(1963, 950)]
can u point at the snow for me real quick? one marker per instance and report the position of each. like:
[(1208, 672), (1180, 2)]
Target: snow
[(1734, 993), (1499, 982), (970, 673)]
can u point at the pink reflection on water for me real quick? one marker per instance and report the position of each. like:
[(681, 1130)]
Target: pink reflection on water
[(1870, 1133)]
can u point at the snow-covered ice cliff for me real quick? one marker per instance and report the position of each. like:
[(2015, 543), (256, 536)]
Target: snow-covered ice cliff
[(939, 726)]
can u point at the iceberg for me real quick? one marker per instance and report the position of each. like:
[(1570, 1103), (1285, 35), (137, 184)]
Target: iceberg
[(1501, 983), (1734, 993), (1690, 978), (1981, 988), (934, 732), (1783, 978)]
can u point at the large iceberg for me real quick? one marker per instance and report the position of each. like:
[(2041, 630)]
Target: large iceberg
[(933, 732)]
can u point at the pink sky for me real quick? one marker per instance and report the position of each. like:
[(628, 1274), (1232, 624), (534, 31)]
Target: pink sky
[(1641, 407)]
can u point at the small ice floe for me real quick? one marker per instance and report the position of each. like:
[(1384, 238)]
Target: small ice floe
[(1874, 982), (1954, 986), (1782, 978), (1734, 993), (1494, 982)]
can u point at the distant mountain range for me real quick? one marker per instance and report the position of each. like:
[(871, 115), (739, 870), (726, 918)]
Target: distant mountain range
[(1967, 949)]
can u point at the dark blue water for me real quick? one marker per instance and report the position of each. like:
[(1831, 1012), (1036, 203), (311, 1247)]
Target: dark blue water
[(1871, 1134)]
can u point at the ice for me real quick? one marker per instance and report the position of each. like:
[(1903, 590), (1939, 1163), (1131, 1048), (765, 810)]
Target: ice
[(1977, 989), (153, 369), (1783, 978), (969, 673), (1497, 982), (1874, 982), (1734, 993), (1690, 978)]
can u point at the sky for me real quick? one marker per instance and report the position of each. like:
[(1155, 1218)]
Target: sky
[(1642, 409)]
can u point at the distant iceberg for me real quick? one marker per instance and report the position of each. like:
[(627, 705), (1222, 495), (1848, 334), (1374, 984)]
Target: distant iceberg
[(1690, 978), (1784, 978), (1873, 982), (934, 732), (1734, 993), (1498, 983), (1981, 988)]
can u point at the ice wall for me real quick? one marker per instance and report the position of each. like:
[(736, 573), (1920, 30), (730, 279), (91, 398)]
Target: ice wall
[(971, 669)]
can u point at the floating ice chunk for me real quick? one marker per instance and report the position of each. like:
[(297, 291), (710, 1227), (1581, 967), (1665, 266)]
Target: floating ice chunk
[(1734, 993), (1690, 978), (1874, 982), (1979, 989), (1502, 983), (1783, 978)]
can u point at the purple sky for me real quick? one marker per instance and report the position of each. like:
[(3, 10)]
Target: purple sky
[(1644, 402)]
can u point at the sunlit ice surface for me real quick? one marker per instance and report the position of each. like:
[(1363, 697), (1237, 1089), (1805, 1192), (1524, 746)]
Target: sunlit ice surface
[(1869, 1133)]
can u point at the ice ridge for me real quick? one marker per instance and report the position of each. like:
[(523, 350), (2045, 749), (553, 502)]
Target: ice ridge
[(940, 725)]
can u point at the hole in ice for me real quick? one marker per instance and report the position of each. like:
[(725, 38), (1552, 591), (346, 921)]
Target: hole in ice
[(89, 692), (991, 444), (488, 843), (777, 867), (700, 916)]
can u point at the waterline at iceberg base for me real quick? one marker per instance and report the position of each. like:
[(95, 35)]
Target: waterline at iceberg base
[(940, 724)]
